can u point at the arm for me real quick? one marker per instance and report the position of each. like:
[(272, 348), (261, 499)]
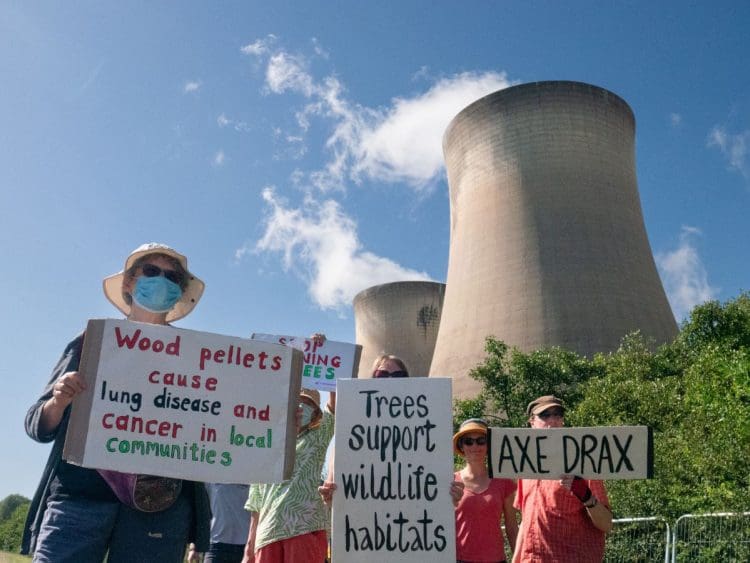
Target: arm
[(45, 428), (249, 555), (193, 556), (457, 492), (519, 543), (64, 390), (332, 402), (511, 523), (600, 515)]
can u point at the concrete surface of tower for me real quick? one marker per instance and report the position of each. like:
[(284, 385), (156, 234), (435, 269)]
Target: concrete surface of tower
[(399, 318), (548, 245)]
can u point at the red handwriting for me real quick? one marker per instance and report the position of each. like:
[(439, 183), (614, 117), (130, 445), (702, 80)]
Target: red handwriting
[(144, 343), (138, 425), (180, 380), (234, 355)]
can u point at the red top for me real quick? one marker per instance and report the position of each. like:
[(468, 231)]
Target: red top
[(556, 526), (478, 517)]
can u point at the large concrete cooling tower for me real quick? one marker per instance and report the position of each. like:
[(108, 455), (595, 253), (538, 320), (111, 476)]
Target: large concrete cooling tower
[(400, 318), (548, 245)]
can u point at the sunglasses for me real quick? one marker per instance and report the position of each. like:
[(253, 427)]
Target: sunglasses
[(383, 373), (471, 441), (554, 412), (151, 271)]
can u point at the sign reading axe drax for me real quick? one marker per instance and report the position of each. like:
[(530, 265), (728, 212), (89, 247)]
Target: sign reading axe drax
[(603, 452)]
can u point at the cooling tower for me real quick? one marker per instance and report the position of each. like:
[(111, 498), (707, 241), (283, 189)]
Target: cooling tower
[(548, 246), (400, 318)]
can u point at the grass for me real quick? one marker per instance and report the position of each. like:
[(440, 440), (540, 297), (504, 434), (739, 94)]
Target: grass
[(6, 557)]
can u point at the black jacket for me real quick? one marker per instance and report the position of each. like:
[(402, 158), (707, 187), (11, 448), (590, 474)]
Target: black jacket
[(200, 528)]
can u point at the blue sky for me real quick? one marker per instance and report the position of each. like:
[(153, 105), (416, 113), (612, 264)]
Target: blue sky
[(292, 151)]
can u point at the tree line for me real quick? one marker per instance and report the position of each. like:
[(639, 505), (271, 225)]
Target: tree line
[(693, 392)]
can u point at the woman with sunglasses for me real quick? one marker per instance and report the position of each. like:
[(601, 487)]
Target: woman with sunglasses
[(389, 365), (384, 366), (75, 515), (485, 503)]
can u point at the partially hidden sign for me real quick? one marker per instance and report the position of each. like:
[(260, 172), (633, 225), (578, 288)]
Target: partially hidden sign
[(323, 363), (393, 466), (602, 452), (184, 404)]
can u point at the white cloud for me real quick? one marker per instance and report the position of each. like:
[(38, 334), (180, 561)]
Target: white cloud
[(401, 142), (319, 243), (288, 72), (219, 158), (223, 121), (191, 86), (259, 47), (684, 275), (675, 119), (406, 144), (734, 147)]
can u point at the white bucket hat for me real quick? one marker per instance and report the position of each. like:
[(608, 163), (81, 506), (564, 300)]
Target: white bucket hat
[(190, 295)]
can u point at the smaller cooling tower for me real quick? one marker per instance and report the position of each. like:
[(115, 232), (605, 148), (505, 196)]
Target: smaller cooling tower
[(400, 318)]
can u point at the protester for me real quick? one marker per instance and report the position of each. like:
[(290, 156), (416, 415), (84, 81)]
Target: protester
[(485, 503), (384, 366), (230, 524), (289, 519), (565, 519), (75, 514), (388, 365)]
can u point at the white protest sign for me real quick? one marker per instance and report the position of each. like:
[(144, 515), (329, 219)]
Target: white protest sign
[(603, 452), (393, 466), (323, 363), (184, 404)]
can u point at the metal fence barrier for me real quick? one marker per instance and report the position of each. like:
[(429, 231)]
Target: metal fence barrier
[(638, 540), (721, 537)]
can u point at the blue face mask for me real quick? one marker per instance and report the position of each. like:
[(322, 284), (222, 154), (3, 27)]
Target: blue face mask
[(307, 414), (156, 294)]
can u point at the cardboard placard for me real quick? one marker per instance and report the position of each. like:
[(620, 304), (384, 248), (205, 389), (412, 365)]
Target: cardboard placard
[(393, 466), (324, 363), (603, 452), (184, 404)]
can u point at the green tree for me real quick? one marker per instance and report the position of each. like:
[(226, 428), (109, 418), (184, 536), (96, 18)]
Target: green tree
[(694, 393), (9, 504), (11, 528)]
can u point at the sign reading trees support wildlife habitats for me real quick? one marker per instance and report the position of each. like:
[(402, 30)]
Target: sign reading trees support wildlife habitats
[(603, 452), (393, 467), (323, 363), (184, 404)]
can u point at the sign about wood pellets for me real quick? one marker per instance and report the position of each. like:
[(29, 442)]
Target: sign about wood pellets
[(393, 467), (603, 452), (184, 404), (323, 363)]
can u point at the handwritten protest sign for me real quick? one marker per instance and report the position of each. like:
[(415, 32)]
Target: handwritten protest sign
[(184, 404), (323, 363), (604, 452), (393, 466)]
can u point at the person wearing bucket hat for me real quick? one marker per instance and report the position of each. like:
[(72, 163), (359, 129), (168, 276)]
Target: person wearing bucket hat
[(288, 519), (565, 519), (485, 503), (76, 513)]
